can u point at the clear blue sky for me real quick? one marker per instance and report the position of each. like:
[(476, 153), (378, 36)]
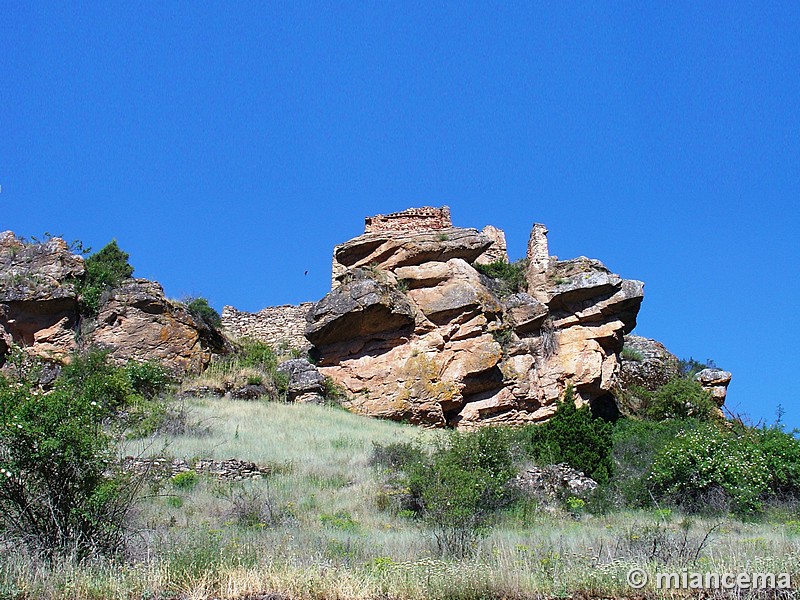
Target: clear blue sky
[(228, 147)]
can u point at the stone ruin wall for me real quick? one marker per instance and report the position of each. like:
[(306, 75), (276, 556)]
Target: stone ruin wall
[(425, 218), (274, 325)]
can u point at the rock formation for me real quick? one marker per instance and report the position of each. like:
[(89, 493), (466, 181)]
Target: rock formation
[(138, 322), (414, 332), (305, 382), (40, 311), (715, 381), (648, 364), (38, 297)]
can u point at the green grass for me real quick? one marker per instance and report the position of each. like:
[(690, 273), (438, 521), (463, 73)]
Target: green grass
[(313, 529)]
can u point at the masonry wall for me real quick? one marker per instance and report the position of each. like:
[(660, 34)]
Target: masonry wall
[(424, 218), (275, 325)]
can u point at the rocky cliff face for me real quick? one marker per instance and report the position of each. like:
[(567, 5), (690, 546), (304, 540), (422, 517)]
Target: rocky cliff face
[(138, 322), (39, 311), (38, 298), (414, 332)]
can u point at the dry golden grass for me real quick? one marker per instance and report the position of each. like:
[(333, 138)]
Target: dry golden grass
[(318, 532)]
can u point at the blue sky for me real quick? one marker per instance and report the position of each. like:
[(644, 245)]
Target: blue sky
[(229, 146)]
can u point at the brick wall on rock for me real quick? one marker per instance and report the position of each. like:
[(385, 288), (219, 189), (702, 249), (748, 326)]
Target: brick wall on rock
[(413, 219), (274, 325)]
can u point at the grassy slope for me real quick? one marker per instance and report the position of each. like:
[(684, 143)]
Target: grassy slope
[(317, 531)]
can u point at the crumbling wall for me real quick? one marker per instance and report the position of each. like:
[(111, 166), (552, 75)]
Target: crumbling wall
[(274, 325), (425, 218)]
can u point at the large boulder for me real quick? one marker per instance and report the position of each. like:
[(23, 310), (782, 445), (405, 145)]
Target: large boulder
[(38, 298), (138, 322), (715, 381), (413, 332), (362, 309), (305, 382), (647, 364)]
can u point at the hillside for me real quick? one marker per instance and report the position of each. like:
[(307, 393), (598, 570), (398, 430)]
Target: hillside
[(315, 528)]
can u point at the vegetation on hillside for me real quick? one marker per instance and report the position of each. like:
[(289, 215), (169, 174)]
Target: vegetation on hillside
[(509, 277), (61, 489), (353, 507), (105, 270)]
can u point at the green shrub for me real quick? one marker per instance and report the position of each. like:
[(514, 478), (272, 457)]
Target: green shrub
[(635, 446), (708, 465), (341, 520), (333, 394), (396, 456), (679, 398), (149, 378), (90, 375), (256, 354), (61, 490), (572, 436), (186, 480), (458, 487), (105, 270), (781, 450), (511, 277), (201, 309)]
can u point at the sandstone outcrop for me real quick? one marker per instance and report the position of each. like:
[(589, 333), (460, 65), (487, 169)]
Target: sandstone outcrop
[(40, 311), (138, 322), (715, 381), (412, 331), (647, 364), (389, 250), (38, 297)]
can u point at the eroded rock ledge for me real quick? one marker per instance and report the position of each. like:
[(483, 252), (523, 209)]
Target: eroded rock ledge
[(414, 332), (39, 311)]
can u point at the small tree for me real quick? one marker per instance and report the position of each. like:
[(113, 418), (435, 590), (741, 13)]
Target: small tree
[(60, 490), (575, 437), (460, 485), (201, 309), (105, 270)]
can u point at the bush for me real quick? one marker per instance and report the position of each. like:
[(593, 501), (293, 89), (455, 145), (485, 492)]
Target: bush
[(511, 277), (256, 354), (679, 398), (635, 446), (572, 436), (105, 270), (186, 480), (61, 491), (781, 450), (458, 487), (711, 463), (202, 310), (332, 393), (149, 379)]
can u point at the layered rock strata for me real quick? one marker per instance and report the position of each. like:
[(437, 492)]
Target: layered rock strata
[(414, 332), (40, 311)]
